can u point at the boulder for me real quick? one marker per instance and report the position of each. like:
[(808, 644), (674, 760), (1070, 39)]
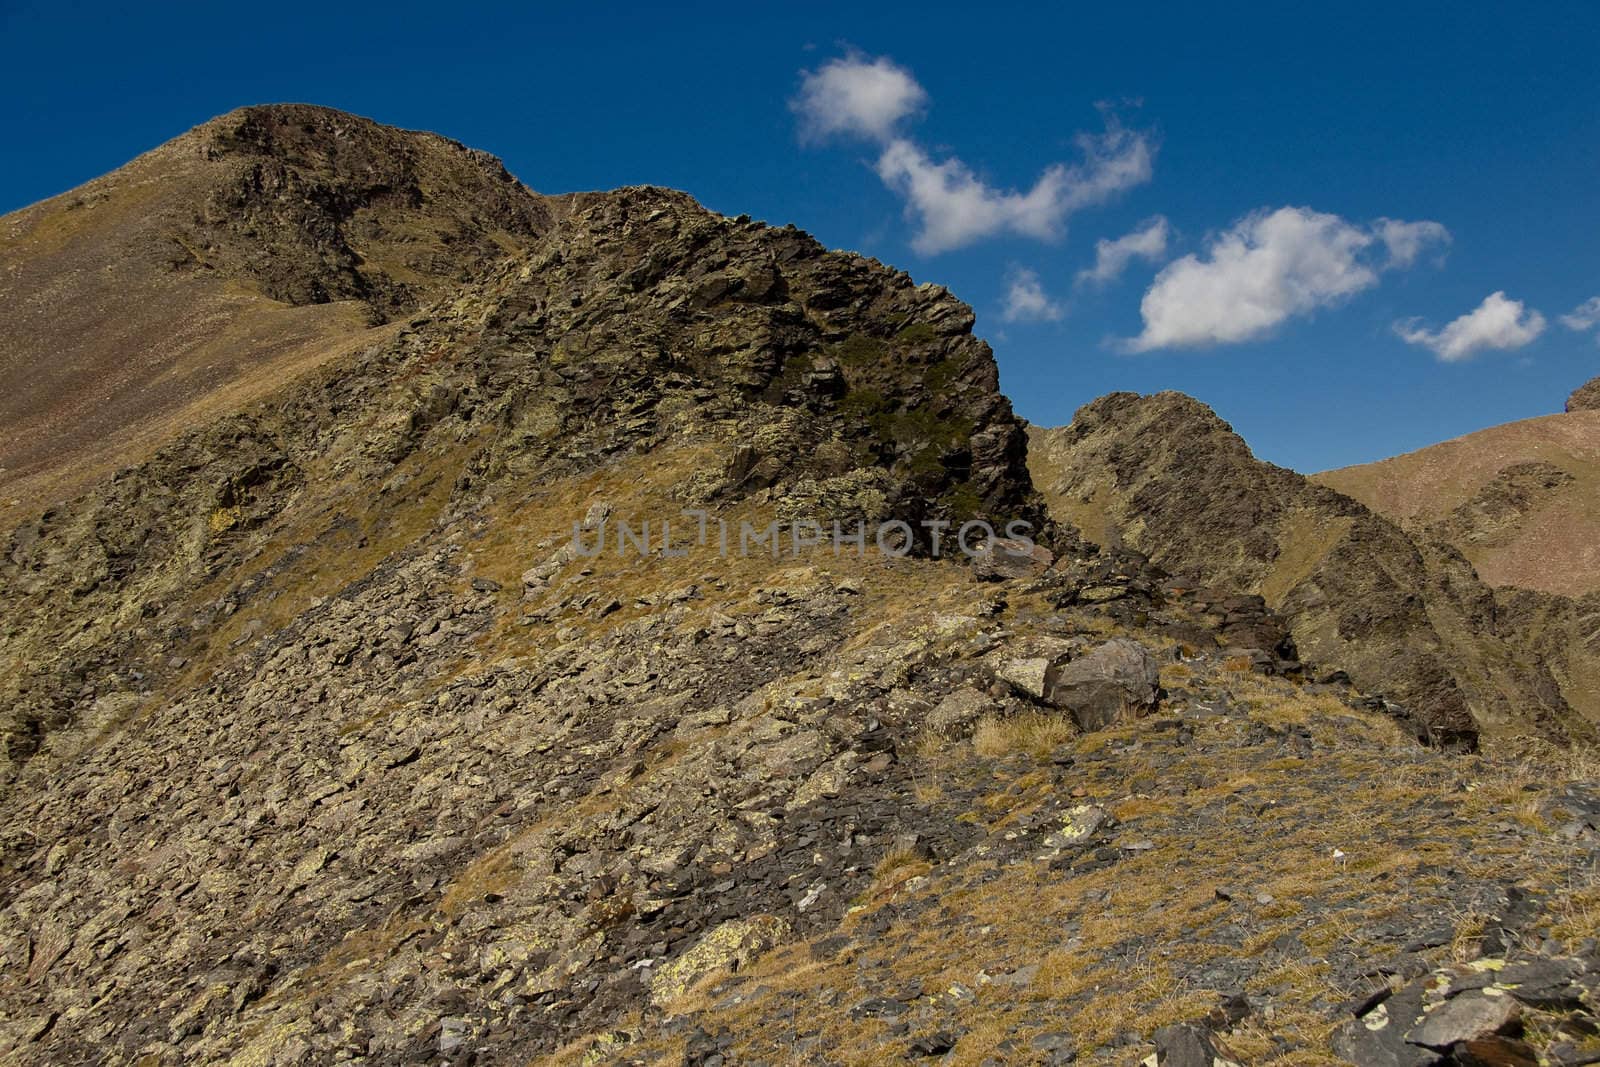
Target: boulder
[(1185, 1045), (1002, 558), (1118, 681), (1474, 1014), (1030, 676)]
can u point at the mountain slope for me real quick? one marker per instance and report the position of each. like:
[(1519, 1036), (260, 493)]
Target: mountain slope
[(1521, 501), (1163, 475), (640, 319), (330, 738), (216, 266)]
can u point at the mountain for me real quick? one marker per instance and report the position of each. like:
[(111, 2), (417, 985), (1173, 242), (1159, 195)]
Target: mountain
[(217, 266), (1406, 617), (352, 715), (1520, 501)]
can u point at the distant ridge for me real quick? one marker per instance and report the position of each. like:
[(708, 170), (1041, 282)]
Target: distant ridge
[(1520, 500)]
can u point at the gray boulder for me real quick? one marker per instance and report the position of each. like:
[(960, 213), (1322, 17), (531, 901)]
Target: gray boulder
[(1114, 683)]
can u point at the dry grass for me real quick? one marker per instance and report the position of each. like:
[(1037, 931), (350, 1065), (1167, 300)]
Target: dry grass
[(1035, 733), (899, 866)]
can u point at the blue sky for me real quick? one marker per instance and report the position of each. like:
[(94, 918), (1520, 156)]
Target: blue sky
[(1483, 122)]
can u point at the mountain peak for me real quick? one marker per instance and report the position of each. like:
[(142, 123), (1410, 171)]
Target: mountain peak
[(220, 264)]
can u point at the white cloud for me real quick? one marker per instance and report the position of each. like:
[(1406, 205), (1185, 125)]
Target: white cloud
[(955, 207), (1111, 258), (1583, 316), (870, 98), (1026, 300), (1267, 267), (1498, 322), (1407, 240), (857, 96)]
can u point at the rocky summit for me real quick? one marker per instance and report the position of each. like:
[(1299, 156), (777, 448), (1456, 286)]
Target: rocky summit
[(571, 654)]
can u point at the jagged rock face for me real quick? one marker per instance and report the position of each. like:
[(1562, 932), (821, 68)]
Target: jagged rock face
[(849, 384), (832, 387), (1165, 476), (1586, 397)]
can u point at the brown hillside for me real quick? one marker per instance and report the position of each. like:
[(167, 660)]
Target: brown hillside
[(1521, 501), (217, 266)]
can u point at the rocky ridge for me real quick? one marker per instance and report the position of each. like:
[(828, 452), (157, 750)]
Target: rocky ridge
[(641, 319), (325, 742)]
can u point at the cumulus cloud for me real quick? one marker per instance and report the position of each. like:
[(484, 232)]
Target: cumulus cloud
[(1408, 240), (857, 96), (1266, 268), (1111, 258), (952, 205), (1498, 322), (1026, 300), (1583, 316)]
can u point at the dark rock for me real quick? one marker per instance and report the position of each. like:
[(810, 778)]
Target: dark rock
[(1378, 1039), (1543, 983), (1495, 1051), (1115, 682), (1184, 1045), (1002, 558), (935, 1044)]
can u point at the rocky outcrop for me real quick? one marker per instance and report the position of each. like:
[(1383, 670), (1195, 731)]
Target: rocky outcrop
[(1164, 476), (315, 205), (1586, 397), (1496, 511), (1467, 1014), (1117, 682)]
